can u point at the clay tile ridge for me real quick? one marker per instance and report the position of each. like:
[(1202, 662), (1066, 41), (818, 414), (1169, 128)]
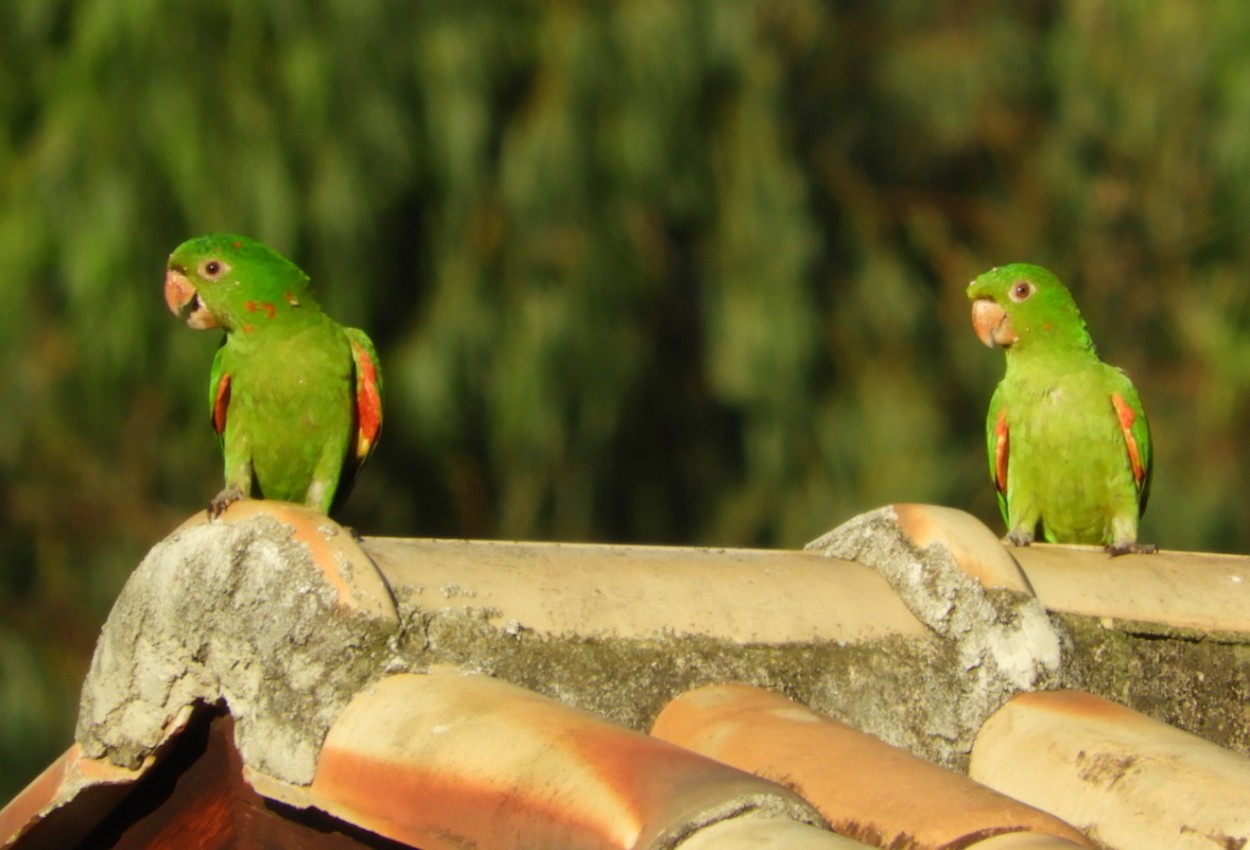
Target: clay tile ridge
[(866, 788), (277, 615), (344, 665), (447, 759), (1127, 780)]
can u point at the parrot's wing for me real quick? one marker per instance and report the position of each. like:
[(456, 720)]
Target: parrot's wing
[(1132, 416), (998, 443), (368, 395), (219, 394)]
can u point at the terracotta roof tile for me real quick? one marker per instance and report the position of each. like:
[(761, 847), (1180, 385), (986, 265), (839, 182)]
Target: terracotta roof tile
[(866, 788), (332, 549), (92, 786), (1022, 841), (1185, 589), (449, 760), (974, 547), (638, 591), (766, 834), (1127, 780), (273, 608), (343, 666), (954, 575)]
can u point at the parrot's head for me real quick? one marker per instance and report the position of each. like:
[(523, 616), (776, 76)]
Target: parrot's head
[(224, 281), (1014, 306)]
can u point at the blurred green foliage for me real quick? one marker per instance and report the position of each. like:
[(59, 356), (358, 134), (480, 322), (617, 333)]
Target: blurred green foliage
[(647, 271)]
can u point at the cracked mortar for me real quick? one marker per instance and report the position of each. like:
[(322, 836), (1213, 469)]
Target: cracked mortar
[(1005, 640), (238, 612)]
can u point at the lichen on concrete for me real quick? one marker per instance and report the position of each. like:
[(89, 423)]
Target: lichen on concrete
[(900, 689), (926, 695), (1196, 682), (241, 612), (233, 612), (1004, 642)]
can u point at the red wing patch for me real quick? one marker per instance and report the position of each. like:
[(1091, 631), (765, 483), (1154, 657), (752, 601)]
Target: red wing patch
[(1127, 418), (221, 404), (1000, 451), (368, 403)]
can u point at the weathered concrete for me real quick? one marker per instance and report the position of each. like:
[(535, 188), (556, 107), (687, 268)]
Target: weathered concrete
[(1194, 680), (272, 609), (284, 619), (955, 577), (619, 631), (890, 686)]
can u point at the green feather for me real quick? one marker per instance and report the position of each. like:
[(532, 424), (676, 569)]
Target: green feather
[(287, 383), (1058, 449)]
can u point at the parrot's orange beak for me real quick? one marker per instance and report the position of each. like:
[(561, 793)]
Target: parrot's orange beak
[(992, 324), (183, 301)]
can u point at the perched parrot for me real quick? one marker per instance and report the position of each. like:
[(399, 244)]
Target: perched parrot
[(295, 398), (1069, 445)]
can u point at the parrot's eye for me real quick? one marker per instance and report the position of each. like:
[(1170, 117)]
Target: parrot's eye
[(213, 269), (1021, 290)]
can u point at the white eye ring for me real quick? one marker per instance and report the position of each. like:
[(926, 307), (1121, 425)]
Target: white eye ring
[(1021, 290), (212, 269)]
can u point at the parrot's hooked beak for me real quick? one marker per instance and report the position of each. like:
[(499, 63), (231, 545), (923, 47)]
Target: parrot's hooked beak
[(992, 324), (184, 301)]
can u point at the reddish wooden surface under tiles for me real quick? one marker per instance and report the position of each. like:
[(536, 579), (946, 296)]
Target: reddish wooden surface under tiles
[(867, 789), (195, 798)]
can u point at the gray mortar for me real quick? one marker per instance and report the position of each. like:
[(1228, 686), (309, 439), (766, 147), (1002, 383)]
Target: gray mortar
[(237, 612), (894, 688), (929, 696), (1196, 681), (913, 693), (234, 612), (1003, 642)]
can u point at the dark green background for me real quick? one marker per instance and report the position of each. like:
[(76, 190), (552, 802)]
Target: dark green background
[(667, 272)]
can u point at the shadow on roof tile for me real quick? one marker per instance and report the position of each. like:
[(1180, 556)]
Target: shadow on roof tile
[(866, 788)]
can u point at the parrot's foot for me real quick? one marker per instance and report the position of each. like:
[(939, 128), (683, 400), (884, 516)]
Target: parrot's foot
[(223, 500), (1018, 538), (1114, 549)]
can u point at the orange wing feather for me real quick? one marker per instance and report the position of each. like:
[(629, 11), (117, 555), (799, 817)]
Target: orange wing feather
[(368, 403), (1000, 451), (221, 404), (1127, 418)]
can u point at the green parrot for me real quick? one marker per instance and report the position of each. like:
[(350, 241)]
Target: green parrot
[(1069, 445), (295, 398)]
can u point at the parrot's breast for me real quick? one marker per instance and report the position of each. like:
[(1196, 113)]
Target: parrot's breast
[(1068, 458), (291, 405)]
